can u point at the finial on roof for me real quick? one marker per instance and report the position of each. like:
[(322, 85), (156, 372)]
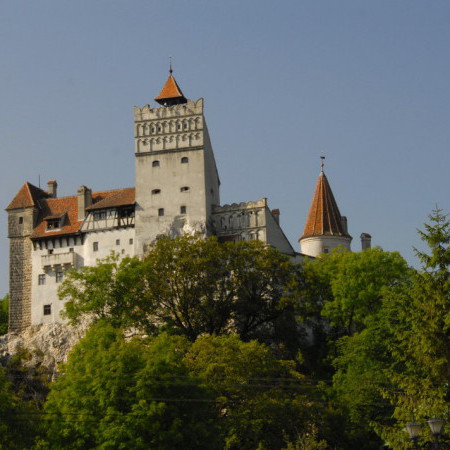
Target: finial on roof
[(322, 163), (170, 65)]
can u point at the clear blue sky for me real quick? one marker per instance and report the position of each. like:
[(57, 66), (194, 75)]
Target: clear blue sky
[(364, 82)]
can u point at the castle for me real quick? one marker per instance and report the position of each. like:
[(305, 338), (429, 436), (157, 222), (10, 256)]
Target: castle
[(176, 191)]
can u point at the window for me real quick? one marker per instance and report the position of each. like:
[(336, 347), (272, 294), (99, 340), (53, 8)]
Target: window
[(184, 160), (326, 250), (99, 215), (52, 224), (47, 310), (185, 125), (59, 276), (95, 246), (20, 220), (159, 129), (41, 279), (50, 251), (117, 241), (156, 191), (183, 209), (155, 164), (184, 189), (160, 212), (131, 241), (71, 249)]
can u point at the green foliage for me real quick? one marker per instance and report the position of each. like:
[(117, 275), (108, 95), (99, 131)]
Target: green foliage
[(17, 427), (420, 328), (259, 400), (190, 285), (114, 394), (4, 314)]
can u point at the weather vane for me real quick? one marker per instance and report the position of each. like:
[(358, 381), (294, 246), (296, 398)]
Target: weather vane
[(170, 65), (322, 157)]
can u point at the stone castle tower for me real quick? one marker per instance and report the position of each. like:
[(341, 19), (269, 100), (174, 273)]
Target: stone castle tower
[(177, 183)]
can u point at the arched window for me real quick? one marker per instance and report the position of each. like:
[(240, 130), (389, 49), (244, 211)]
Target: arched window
[(155, 164), (184, 189), (184, 160), (156, 191)]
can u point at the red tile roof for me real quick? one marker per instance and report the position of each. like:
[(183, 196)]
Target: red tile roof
[(57, 207), (170, 91), (27, 196), (324, 218), (121, 197)]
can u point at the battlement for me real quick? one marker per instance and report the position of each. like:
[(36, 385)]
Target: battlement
[(161, 112), (240, 206)]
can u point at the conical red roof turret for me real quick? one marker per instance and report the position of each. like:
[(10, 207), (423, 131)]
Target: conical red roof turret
[(324, 218)]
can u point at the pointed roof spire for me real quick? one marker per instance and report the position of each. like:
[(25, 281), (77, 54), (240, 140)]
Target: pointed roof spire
[(324, 218), (170, 93)]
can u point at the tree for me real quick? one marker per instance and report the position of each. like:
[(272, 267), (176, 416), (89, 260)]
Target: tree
[(420, 330), (189, 284), (115, 394), (18, 420), (260, 401), (4, 314), (347, 290)]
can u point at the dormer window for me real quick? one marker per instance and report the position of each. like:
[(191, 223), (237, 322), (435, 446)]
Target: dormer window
[(54, 222)]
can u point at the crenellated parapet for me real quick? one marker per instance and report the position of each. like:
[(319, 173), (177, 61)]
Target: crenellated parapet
[(169, 128), (241, 221), (187, 109)]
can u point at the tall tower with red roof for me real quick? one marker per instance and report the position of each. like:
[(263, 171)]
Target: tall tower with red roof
[(177, 183), (325, 228)]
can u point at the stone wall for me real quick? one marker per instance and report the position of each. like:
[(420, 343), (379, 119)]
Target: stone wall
[(20, 270), (20, 226)]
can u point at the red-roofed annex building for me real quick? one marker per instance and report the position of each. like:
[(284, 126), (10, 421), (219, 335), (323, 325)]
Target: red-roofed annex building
[(176, 192)]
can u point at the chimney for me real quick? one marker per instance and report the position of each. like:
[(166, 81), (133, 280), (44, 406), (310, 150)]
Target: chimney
[(276, 215), (52, 186), (84, 195), (344, 224), (365, 241)]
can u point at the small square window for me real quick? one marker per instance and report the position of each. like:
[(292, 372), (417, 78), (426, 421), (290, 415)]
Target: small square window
[(50, 251), (59, 276), (182, 209), (155, 164), (47, 310), (184, 160), (41, 279), (20, 220), (71, 249), (156, 191), (131, 241), (95, 246), (160, 212), (117, 241), (184, 189), (326, 250)]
